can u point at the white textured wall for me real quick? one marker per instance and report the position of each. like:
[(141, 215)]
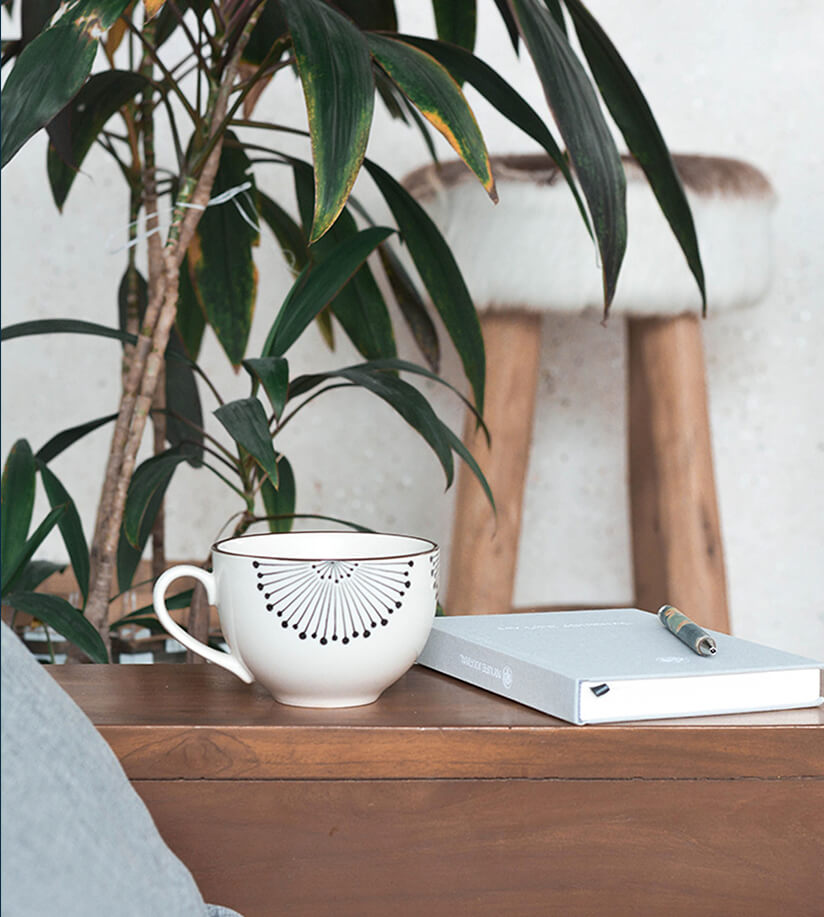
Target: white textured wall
[(738, 79)]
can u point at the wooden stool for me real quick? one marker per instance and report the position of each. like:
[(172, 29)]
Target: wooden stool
[(532, 255)]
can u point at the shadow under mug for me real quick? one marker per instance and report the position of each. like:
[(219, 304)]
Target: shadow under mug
[(320, 619)]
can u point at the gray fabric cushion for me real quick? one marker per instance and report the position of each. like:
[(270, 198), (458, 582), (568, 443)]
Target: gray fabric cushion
[(76, 838)]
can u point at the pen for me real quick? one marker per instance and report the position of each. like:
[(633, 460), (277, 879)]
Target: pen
[(676, 622)]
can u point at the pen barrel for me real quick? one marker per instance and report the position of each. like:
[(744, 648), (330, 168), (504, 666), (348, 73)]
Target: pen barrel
[(686, 630)]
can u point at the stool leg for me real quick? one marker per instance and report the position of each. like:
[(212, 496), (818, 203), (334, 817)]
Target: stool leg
[(676, 536), (484, 554)]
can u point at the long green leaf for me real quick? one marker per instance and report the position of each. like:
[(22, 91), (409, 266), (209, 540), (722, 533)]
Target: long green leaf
[(16, 500), (359, 306), (152, 477), (167, 20), (273, 374), (303, 176), (336, 72), (456, 21), (316, 286), (287, 232), (23, 554), (94, 14), (36, 572), (457, 444), (245, 421), (403, 397), (390, 96), (77, 326), (632, 114), (374, 15), (150, 624), (75, 128), (220, 256), (190, 319), (173, 602), (440, 275), (412, 306), (184, 421), (34, 16), (280, 503), (509, 22), (66, 438), (47, 75), (591, 147), (466, 67), (434, 92), (409, 300), (70, 526), (128, 556), (415, 410), (554, 7), (269, 30), (58, 614), (301, 385), (65, 326)]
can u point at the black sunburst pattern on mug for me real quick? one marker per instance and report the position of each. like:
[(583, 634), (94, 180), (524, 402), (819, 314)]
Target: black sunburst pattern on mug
[(435, 570), (333, 600)]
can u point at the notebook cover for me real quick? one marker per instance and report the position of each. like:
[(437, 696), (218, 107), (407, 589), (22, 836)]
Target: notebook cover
[(542, 658)]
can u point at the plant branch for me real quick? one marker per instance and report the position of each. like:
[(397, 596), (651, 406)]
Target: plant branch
[(208, 382), (196, 47), (151, 345), (257, 76), (172, 82), (227, 458), (227, 116), (132, 324), (220, 22), (226, 481), (109, 148), (155, 264)]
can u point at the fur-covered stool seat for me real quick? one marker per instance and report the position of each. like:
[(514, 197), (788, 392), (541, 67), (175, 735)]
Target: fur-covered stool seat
[(531, 255)]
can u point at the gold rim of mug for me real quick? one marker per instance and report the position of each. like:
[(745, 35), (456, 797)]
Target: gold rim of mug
[(216, 547)]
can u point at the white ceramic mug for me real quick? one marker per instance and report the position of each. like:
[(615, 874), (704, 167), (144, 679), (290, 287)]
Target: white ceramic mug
[(320, 619)]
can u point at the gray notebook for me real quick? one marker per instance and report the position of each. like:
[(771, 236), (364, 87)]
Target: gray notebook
[(617, 664)]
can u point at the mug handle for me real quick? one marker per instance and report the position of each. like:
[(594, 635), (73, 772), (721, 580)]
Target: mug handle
[(227, 660)]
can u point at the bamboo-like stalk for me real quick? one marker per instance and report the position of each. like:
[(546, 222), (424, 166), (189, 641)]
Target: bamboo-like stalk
[(155, 265), (145, 372)]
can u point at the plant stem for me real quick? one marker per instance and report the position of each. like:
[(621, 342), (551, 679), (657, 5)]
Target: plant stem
[(132, 325), (142, 381), (150, 49), (155, 263), (190, 38)]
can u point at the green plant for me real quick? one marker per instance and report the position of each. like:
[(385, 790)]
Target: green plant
[(20, 574), (202, 273)]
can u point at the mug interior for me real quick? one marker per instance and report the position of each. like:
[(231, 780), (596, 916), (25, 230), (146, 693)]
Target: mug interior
[(325, 546)]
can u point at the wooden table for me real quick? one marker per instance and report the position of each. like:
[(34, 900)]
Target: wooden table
[(441, 799)]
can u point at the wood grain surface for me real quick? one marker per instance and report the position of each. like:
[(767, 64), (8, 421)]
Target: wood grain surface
[(485, 545), (441, 848), (677, 549), (200, 722), (442, 799)]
